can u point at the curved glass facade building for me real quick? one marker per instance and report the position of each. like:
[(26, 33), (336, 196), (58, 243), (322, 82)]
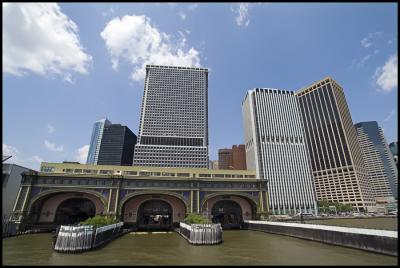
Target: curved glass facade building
[(95, 141)]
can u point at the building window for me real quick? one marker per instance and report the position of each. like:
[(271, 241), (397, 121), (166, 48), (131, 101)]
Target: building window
[(47, 169)]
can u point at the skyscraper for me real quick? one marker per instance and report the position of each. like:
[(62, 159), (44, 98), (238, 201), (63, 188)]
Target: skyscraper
[(239, 157), (336, 160), (234, 158), (173, 130), (225, 159), (275, 148), (117, 146), (95, 141), (393, 149), (379, 162)]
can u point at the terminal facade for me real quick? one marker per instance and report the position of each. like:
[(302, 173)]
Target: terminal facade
[(142, 197)]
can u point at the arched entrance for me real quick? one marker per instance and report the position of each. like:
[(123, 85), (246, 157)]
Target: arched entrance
[(155, 215), (228, 213), (74, 210)]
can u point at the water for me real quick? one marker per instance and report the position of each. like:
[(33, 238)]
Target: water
[(239, 248), (371, 223)]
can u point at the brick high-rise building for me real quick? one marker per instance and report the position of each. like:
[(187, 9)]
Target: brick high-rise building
[(225, 159), (234, 158), (239, 157), (336, 158)]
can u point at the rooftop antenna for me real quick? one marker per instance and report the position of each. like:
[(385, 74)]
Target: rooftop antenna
[(6, 157)]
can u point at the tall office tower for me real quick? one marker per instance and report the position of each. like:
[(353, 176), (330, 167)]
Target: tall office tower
[(173, 130), (239, 157), (95, 141), (378, 159), (225, 159), (234, 158), (336, 159), (275, 148), (117, 146)]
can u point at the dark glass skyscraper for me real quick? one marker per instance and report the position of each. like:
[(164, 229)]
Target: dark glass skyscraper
[(173, 130), (379, 162), (117, 146)]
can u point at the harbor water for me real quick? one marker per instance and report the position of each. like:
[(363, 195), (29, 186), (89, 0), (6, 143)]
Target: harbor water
[(239, 247)]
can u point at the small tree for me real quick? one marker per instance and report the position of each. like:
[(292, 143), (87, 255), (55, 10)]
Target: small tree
[(194, 218), (99, 221)]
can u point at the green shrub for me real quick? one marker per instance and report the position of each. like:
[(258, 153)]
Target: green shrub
[(99, 221), (194, 218)]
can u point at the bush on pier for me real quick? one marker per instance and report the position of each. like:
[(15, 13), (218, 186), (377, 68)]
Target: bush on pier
[(99, 221), (194, 218)]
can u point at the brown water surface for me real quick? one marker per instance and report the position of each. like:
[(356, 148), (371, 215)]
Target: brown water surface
[(239, 248)]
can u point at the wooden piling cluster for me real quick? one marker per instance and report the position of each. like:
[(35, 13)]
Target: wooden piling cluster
[(75, 239), (201, 234)]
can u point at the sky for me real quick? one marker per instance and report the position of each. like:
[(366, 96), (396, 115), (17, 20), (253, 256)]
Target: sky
[(68, 65)]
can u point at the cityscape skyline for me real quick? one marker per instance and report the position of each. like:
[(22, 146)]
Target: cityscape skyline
[(365, 50)]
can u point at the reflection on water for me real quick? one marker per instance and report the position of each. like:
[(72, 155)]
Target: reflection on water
[(239, 248)]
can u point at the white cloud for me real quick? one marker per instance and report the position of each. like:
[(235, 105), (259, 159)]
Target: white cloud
[(81, 154), (20, 158), (386, 76), (242, 10), (108, 12), (193, 6), (182, 15), (392, 112), (14, 152), (36, 159), (368, 41), (39, 38), (9, 150), (53, 147), (362, 62), (134, 39), (50, 129)]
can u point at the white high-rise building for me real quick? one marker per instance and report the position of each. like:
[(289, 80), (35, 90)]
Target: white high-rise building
[(276, 149), (173, 130), (95, 141)]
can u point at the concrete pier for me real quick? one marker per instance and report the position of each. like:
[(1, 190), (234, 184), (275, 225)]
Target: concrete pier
[(201, 234), (379, 241), (76, 239)]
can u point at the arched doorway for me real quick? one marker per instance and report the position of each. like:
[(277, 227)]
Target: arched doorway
[(74, 210), (228, 213), (155, 215)]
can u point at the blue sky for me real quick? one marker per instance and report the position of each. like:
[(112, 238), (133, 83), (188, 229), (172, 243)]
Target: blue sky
[(67, 65)]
